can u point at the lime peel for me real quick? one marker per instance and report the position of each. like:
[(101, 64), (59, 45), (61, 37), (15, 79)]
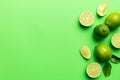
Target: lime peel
[(103, 52)]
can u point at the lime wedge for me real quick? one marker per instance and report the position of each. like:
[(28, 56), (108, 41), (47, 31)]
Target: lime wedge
[(85, 52), (102, 9), (116, 40), (87, 18), (94, 70)]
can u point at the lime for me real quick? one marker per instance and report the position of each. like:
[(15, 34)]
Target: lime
[(101, 31), (116, 40), (103, 52), (93, 69), (85, 52), (87, 18), (113, 20), (102, 9)]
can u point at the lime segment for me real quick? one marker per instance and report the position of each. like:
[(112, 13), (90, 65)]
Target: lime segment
[(94, 70), (87, 18), (102, 9), (85, 52), (116, 40)]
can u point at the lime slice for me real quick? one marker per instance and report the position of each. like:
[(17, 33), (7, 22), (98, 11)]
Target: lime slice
[(116, 40), (102, 9), (94, 70), (85, 52), (87, 18)]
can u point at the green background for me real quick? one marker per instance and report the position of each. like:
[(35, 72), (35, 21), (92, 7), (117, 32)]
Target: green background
[(41, 39)]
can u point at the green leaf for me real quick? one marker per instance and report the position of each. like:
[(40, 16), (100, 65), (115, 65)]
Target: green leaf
[(115, 59), (107, 69)]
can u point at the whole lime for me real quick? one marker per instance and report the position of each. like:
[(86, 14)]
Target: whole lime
[(101, 31), (113, 20), (103, 52)]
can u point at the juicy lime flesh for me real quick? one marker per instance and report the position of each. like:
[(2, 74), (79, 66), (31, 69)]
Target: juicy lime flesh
[(101, 31), (103, 52), (102, 9), (87, 18), (93, 70), (116, 40), (113, 20), (85, 52)]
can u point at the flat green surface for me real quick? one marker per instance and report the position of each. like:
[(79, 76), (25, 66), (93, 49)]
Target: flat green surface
[(40, 39)]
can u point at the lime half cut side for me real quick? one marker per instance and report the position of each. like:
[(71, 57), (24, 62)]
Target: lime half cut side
[(116, 40), (85, 52), (94, 70), (87, 18), (102, 9)]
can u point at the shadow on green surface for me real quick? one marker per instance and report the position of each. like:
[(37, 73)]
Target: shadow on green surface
[(98, 15)]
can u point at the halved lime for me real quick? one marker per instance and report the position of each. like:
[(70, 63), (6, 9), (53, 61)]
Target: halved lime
[(85, 52), (116, 40), (87, 18), (102, 9), (94, 70)]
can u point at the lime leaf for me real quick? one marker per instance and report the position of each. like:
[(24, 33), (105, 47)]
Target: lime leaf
[(107, 69), (115, 59)]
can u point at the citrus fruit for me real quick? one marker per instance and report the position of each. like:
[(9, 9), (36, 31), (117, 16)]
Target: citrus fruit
[(102, 9), (93, 69), (116, 40), (87, 18), (101, 31), (85, 52), (113, 20), (103, 52)]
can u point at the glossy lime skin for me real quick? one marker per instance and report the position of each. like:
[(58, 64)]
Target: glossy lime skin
[(101, 31), (103, 52), (113, 20)]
